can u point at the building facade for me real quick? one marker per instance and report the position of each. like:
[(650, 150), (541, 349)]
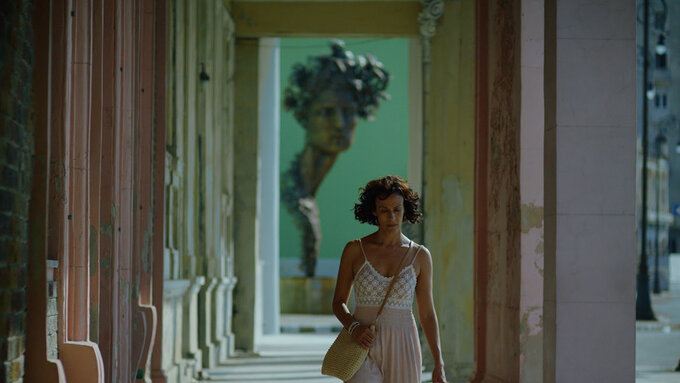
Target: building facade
[(663, 155)]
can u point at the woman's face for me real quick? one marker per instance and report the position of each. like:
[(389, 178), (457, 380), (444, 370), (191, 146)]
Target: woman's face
[(331, 121), (390, 211)]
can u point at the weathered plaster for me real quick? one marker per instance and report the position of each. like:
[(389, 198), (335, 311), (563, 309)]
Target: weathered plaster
[(532, 215), (93, 250), (448, 179), (94, 323), (531, 345), (501, 262), (532, 127)]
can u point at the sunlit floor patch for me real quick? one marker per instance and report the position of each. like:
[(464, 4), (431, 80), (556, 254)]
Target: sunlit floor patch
[(282, 358)]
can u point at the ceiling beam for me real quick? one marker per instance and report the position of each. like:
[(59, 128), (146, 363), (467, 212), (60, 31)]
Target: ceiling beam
[(326, 18)]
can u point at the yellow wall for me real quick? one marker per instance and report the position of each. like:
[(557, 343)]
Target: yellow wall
[(448, 174)]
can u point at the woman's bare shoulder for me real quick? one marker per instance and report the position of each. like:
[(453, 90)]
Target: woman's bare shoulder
[(422, 255), (351, 257), (352, 249), (421, 249)]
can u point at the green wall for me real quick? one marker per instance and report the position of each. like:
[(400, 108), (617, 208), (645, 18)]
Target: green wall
[(380, 146)]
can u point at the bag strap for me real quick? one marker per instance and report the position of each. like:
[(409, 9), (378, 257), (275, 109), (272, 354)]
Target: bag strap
[(394, 279)]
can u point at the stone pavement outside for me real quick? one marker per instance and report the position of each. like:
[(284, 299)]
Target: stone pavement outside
[(658, 343)]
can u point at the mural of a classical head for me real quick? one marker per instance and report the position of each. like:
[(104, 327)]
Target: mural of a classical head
[(330, 94), (327, 95)]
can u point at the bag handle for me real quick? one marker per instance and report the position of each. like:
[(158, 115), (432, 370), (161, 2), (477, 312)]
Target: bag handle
[(394, 279)]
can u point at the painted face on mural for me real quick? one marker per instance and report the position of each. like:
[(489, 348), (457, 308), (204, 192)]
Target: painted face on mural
[(332, 120)]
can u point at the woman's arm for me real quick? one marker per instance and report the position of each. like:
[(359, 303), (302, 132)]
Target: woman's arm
[(427, 314), (362, 334), (343, 286)]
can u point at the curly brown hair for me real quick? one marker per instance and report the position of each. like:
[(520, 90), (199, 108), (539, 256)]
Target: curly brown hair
[(383, 188)]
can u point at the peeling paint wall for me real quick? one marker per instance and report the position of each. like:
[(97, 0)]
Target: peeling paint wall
[(448, 185), (532, 125)]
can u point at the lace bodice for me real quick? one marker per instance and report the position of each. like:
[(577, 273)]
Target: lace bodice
[(370, 287)]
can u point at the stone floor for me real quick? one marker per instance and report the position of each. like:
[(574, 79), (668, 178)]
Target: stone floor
[(296, 354), (285, 357)]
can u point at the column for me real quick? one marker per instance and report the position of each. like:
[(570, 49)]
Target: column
[(246, 185), (448, 184), (269, 108), (589, 303)]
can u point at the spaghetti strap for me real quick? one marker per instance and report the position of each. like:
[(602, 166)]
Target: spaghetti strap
[(416, 254), (362, 250)]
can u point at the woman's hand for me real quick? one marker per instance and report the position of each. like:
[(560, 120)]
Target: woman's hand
[(438, 375), (364, 336)]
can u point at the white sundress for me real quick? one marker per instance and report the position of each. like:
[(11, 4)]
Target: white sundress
[(395, 356)]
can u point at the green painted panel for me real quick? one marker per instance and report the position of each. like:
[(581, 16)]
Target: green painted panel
[(380, 147)]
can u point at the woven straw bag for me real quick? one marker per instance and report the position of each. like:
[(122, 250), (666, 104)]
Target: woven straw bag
[(345, 356)]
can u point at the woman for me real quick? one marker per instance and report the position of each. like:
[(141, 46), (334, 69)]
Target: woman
[(368, 263)]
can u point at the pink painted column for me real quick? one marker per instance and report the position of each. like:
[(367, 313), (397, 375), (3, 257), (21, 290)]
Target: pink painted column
[(145, 316), (108, 224), (122, 286), (157, 373), (81, 358)]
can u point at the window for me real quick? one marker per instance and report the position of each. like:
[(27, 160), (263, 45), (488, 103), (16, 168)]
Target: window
[(660, 60), (660, 20), (660, 100)]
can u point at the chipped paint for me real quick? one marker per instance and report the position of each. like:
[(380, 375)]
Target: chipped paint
[(532, 217), (105, 264), (539, 247), (59, 177), (94, 322), (531, 345), (134, 291), (107, 229), (539, 268), (146, 246), (124, 289), (93, 250)]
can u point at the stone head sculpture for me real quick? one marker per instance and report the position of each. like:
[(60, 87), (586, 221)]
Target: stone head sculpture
[(327, 95)]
